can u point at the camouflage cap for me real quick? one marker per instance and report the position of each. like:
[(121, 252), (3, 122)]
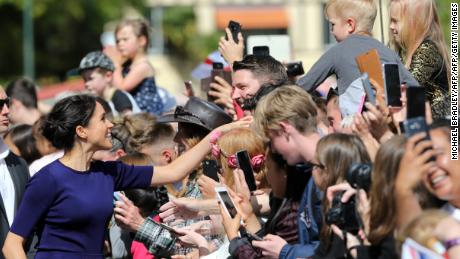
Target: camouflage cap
[(96, 59)]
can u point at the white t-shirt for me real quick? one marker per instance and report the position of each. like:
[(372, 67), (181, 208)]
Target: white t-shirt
[(43, 161)]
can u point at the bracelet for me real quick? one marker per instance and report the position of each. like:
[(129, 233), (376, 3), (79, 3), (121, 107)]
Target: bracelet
[(452, 242), (214, 136)]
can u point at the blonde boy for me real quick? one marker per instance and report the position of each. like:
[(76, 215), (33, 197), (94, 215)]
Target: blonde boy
[(351, 24), (287, 118)]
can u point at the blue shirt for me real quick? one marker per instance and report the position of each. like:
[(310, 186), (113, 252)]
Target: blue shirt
[(70, 209), (310, 220)]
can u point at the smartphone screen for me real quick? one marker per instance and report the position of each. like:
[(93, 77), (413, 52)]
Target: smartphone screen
[(260, 51), (392, 85), (244, 163), (228, 203), (415, 102), (211, 169)]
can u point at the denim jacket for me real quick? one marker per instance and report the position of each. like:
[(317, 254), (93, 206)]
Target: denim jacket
[(309, 221)]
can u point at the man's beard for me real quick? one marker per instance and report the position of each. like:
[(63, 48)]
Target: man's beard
[(251, 103)]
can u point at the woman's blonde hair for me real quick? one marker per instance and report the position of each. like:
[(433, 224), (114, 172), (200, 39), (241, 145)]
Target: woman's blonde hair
[(134, 131), (136, 159), (236, 140), (419, 20), (362, 11), (422, 227)]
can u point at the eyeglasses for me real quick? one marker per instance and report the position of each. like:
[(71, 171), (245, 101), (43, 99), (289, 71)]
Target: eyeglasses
[(6, 101), (318, 166)]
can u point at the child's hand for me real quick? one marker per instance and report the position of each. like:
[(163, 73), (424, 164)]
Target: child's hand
[(113, 53)]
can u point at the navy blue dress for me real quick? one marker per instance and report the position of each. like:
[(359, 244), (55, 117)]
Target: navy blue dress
[(146, 94), (70, 209)]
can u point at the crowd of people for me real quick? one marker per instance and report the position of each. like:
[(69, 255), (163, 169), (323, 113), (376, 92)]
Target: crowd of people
[(111, 173)]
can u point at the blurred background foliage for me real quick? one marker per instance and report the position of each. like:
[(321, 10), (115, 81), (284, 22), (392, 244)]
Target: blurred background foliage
[(65, 31)]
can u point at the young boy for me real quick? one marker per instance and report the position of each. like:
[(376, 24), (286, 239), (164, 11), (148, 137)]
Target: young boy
[(287, 118), (96, 70), (351, 24)]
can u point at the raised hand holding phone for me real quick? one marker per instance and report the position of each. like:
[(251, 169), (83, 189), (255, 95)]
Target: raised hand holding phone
[(234, 28), (231, 46), (226, 200)]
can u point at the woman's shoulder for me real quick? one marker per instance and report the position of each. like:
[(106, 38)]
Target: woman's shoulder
[(427, 47)]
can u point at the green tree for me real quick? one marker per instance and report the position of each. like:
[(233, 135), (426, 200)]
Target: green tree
[(64, 32)]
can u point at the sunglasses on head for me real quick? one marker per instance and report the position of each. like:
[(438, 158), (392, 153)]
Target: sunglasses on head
[(6, 101)]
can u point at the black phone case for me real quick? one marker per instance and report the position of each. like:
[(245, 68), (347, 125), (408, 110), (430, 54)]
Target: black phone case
[(392, 84), (415, 102), (234, 27), (244, 163), (211, 169)]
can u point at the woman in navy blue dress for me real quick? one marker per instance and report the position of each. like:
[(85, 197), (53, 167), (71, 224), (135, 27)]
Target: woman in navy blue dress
[(69, 201)]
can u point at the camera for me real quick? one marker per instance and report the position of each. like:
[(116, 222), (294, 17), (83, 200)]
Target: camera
[(359, 176), (294, 69), (343, 215)]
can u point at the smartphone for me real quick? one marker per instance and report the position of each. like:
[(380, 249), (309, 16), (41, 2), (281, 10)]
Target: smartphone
[(167, 227), (370, 93), (415, 102), (415, 125), (392, 84), (254, 237), (294, 69), (369, 62), (260, 51), (116, 197), (211, 169), (224, 197), (235, 28), (244, 163)]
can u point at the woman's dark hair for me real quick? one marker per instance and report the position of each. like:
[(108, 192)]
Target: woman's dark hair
[(60, 124), (147, 200), (22, 137)]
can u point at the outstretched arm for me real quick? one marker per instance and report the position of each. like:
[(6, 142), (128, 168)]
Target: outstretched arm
[(185, 163)]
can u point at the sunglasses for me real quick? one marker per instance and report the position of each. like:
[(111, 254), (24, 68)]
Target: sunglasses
[(6, 101)]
